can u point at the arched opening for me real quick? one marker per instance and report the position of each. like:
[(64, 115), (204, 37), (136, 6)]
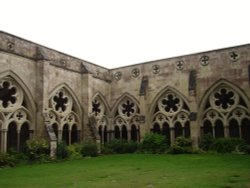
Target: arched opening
[(166, 132), (245, 130), (187, 129), (133, 133), (156, 128), (117, 132), (12, 137), (65, 134), (124, 133), (100, 132), (178, 129), (234, 129), (219, 129), (207, 128), (24, 136), (55, 128), (105, 134), (74, 136)]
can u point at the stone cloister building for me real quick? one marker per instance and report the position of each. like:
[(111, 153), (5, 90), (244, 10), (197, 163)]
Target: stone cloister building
[(48, 94)]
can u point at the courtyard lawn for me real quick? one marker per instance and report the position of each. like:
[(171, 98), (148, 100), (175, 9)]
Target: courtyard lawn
[(134, 171)]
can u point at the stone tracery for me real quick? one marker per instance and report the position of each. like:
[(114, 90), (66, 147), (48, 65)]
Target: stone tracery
[(225, 112), (99, 111), (171, 115), (126, 120), (15, 114), (64, 116)]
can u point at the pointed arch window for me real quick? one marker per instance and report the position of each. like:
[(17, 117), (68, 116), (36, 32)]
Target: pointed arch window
[(127, 119), (224, 111), (17, 111), (99, 112), (171, 115), (64, 115)]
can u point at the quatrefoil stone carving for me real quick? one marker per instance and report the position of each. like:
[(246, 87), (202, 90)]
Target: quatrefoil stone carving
[(155, 69)]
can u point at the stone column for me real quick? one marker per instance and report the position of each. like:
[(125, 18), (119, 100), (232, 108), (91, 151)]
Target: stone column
[(31, 134), (53, 149), (144, 110), (226, 131), (240, 132), (213, 132), (172, 135), (138, 136), (102, 133), (121, 133), (59, 139), (111, 134), (129, 134), (18, 140), (69, 137), (195, 133), (4, 140)]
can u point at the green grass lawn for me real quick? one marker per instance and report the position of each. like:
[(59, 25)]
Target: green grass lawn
[(135, 171)]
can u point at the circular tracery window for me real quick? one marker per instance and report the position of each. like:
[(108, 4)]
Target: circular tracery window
[(170, 103), (127, 108), (98, 108), (61, 102), (224, 99), (11, 96)]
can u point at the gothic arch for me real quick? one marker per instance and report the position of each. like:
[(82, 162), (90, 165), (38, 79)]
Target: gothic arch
[(18, 110), (169, 114), (65, 111), (19, 116), (218, 84), (29, 99), (223, 105), (122, 97), (103, 99), (72, 94), (100, 111), (164, 90), (126, 114), (184, 108)]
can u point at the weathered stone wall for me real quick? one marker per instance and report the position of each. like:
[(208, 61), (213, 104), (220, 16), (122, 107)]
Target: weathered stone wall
[(45, 71)]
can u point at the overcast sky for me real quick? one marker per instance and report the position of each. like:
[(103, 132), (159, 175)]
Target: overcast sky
[(114, 33)]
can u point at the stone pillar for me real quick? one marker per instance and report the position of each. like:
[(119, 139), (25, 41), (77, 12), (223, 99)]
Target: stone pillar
[(53, 148), (172, 135), (138, 136), (102, 133), (31, 132), (240, 132), (111, 134), (129, 134), (144, 110), (59, 139), (194, 133), (226, 131), (18, 140), (69, 137), (78, 136), (108, 135), (4, 140), (213, 132), (99, 147)]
